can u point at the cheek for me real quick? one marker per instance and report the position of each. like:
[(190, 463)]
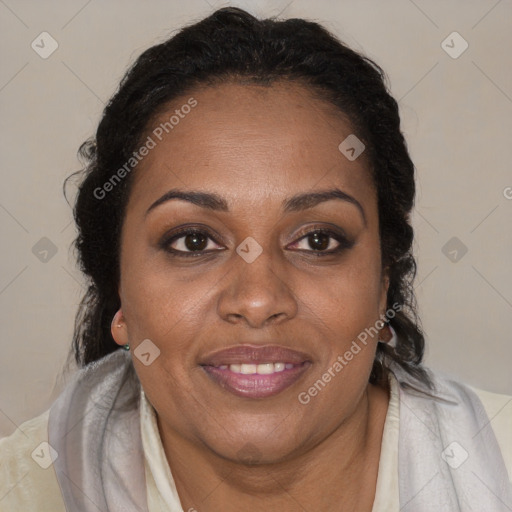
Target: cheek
[(348, 300), (347, 308), (164, 302), (157, 299)]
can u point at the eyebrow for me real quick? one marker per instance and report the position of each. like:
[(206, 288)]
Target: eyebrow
[(299, 202)]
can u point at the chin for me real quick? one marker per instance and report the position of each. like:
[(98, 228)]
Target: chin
[(254, 448)]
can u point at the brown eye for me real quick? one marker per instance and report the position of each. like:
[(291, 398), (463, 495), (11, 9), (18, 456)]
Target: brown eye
[(189, 242), (195, 241), (322, 241), (319, 241)]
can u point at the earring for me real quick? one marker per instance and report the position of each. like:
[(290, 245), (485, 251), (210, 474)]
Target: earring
[(394, 338), (127, 346), (392, 341)]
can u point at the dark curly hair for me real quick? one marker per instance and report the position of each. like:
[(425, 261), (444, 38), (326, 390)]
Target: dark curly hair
[(232, 45)]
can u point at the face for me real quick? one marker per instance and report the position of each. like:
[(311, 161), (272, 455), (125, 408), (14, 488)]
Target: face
[(245, 276)]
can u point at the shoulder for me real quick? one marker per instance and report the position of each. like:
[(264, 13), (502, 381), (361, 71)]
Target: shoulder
[(499, 410), (27, 478), (462, 410)]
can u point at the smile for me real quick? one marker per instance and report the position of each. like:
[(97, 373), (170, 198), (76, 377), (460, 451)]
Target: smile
[(260, 369), (252, 371)]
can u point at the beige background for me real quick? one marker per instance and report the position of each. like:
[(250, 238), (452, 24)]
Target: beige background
[(457, 117)]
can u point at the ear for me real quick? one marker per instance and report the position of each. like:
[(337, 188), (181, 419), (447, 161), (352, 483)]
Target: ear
[(383, 300), (118, 329), (385, 333)]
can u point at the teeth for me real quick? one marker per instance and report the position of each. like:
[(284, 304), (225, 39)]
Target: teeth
[(260, 369), (247, 369), (265, 368)]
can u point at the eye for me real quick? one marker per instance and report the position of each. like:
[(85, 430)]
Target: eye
[(322, 242), (194, 241), (189, 242)]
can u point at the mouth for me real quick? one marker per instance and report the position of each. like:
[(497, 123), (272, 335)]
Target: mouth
[(256, 372)]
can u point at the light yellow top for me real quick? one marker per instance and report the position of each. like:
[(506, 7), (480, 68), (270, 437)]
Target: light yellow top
[(24, 485)]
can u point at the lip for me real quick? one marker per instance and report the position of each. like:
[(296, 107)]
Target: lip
[(255, 385), (247, 353)]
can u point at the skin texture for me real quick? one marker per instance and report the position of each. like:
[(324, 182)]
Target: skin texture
[(256, 146)]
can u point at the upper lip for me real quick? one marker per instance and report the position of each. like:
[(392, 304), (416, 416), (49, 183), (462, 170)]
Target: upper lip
[(254, 354)]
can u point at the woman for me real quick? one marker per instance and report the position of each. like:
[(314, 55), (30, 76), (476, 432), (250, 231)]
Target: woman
[(249, 334)]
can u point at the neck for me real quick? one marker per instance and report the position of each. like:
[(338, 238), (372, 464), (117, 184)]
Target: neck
[(339, 473)]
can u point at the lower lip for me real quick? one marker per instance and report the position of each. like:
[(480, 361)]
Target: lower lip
[(255, 385)]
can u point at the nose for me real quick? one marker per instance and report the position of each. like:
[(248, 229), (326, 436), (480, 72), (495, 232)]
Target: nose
[(257, 293)]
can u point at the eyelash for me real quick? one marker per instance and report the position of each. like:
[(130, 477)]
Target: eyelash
[(344, 243)]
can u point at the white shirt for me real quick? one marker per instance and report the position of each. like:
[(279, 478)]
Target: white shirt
[(24, 485)]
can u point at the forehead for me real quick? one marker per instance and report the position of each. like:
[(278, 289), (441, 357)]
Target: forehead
[(247, 142)]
